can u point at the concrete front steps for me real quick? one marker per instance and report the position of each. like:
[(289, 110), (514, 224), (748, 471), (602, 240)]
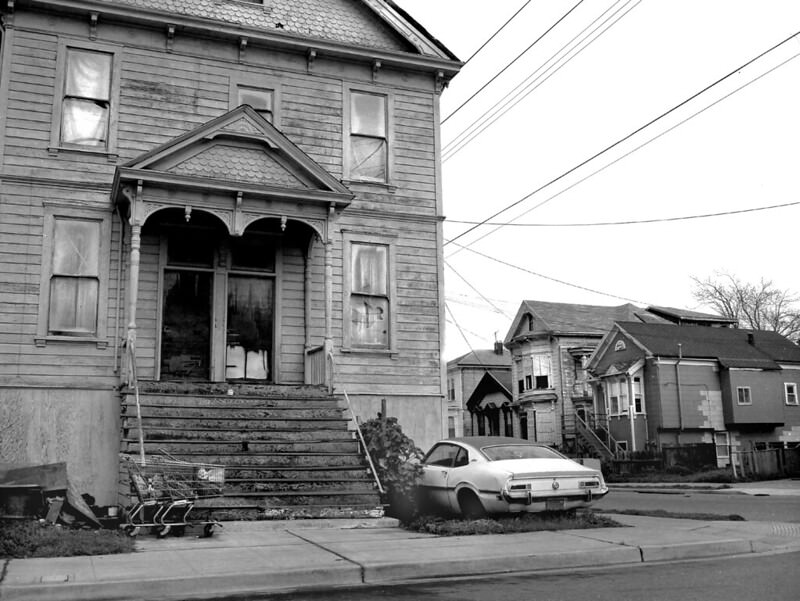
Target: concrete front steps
[(287, 451)]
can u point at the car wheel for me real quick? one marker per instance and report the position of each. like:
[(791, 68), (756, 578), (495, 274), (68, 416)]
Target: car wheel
[(470, 505)]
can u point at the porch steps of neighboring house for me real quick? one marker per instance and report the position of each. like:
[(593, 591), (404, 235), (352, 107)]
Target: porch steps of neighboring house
[(287, 451)]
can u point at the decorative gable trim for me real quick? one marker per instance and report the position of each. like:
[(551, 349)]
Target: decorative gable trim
[(238, 151)]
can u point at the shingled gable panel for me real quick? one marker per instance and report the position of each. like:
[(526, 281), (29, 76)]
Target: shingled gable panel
[(239, 146)]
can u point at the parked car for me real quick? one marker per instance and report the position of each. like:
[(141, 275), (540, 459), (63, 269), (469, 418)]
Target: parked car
[(476, 475)]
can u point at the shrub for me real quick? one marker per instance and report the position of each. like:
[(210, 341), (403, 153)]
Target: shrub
[(396, 460), (34, 539)]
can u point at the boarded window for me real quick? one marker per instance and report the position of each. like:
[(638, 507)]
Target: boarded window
[(369, 295), (368, 137), (87, 98), (75, 278)]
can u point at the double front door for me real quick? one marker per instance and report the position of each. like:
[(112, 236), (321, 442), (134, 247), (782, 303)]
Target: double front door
[(217, 307)]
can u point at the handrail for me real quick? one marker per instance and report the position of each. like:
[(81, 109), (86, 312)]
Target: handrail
[(586, 429), (133, 382), (358, 429)]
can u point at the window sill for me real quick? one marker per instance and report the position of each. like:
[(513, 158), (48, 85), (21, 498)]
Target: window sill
[(43, 341), (371, 351), (391, 188), (112, 157)]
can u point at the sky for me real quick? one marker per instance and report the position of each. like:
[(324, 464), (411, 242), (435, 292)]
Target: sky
[(603, 72)]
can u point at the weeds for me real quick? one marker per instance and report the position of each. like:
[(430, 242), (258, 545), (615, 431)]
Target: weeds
[(508, 524), (31, 539)]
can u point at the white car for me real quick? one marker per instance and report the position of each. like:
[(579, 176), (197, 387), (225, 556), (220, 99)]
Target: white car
[(476, 475)]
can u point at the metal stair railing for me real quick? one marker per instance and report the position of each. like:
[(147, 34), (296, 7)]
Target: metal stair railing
[(360, 435), (612, 450)]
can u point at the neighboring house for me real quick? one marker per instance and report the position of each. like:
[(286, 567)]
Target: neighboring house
[(218, 192), (478, 390), (550, 344), (670, 386)]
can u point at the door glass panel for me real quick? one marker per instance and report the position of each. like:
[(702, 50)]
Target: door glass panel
[(186, 329), (249, 336)]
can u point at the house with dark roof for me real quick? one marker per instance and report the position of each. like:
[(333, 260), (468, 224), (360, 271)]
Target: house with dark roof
[(550, 344), (660, 385), (479, 393), (223, 215)]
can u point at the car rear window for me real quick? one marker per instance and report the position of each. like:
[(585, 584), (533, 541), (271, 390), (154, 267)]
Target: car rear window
[(518, 451)]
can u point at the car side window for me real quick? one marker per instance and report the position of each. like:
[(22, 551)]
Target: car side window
[(462, 458), (442, 455)]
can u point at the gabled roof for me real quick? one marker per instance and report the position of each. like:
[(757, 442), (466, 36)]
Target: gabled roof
[(569, 318), (731, 347), (684, 316), (368, 24), (482, 358), (491, 382), (238, 151)]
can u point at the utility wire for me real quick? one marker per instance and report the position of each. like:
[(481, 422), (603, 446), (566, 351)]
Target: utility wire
[(532, 81), (488, 302), (630, 152), (552, 279), (633, 222), (633, 133), (474, 54), (460, 331), (519, 56)]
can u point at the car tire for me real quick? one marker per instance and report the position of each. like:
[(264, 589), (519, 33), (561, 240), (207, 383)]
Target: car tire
[(471, 506)]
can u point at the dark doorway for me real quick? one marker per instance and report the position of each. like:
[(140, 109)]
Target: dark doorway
[(186, 325)]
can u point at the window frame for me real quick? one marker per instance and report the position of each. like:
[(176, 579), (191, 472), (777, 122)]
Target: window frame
[(348, 240), (749, 395), (786, 394), (71, 213), (389, 124), (56, 145), (258, 82)]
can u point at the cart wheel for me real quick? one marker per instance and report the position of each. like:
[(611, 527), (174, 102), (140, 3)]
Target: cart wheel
[(208, 530), (131, 531), (164, 531)]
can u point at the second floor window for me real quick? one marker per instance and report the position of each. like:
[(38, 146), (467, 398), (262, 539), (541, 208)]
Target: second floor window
[(369, 147), (791, 393), (86, 105), (743, 395), (541, 372)]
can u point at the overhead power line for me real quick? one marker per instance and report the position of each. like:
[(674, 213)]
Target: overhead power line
[(538, 77), (519, 56), (486, 300), (493, 36), (552, 279), (632, 222), (635, 132)]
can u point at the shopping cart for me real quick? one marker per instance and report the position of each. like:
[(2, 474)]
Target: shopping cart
[(164, 491)]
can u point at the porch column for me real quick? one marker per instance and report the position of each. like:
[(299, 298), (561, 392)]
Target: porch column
[(328, 296), (133, 289), (309, 314)]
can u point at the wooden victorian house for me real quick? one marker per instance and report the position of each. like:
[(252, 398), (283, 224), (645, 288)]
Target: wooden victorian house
[(233, 207)]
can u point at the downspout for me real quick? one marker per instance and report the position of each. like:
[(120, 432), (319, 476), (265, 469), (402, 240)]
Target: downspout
[(678, 386)]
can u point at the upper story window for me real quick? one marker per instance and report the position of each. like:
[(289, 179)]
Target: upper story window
[(368, 141), (261, 92), (541, 371), (86, 105), (743, 395), (790, 391), (86, 98)]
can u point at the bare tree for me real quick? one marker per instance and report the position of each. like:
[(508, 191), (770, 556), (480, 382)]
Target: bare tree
[(759, 306)]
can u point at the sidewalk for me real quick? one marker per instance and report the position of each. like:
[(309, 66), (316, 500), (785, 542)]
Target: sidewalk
[(263, 557)]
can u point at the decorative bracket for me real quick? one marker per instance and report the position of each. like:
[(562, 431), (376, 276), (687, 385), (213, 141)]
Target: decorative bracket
[(187, 213), (93, 17), (310, 58), (376, 66), (441, 82), (242, 48), (238, 216), (283, 223), (170, 37), (8, 19)]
